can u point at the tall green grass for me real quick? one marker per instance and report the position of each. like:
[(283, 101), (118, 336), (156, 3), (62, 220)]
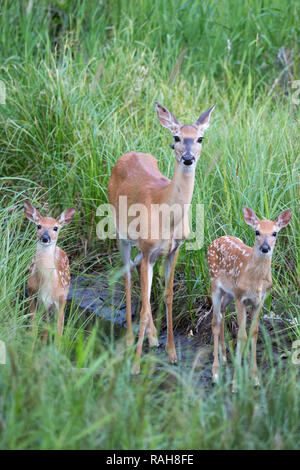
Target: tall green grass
[(81, 79)]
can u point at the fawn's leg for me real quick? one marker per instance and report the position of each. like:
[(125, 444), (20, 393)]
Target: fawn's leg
[(32, 309), (216, 324), (222, 339), (254, 330), (226, 299), (146, 283), (170, 264), (45, 321), (125, 250), (61, 315), (241, 339)]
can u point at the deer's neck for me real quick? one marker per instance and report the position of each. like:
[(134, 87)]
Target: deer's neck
[(45, 258), (181, 187), (259, 268)]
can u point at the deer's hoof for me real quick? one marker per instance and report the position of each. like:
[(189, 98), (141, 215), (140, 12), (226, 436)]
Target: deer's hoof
[(152, 338), (136, 369), (172, 354), (129, 341), (153, 342), (215, 374), (256, 382), (173, 357), (215, 377)]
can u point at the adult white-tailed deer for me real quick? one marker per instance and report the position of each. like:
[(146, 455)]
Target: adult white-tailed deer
[(240, 272), (49, 276), (136, 178)]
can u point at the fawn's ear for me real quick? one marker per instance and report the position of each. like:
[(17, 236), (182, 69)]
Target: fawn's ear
[(204, 119), (167, 119), (250, 217), (66, 216), (31, 212), (283, 218)]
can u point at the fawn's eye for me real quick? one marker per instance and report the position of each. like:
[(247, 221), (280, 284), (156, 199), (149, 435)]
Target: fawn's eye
[(39, 227), (274, 234), (55, 229), (257, 232), (200, 140), (176, 138)]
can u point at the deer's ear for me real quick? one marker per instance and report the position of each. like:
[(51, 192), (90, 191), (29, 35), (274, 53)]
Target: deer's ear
[(167, 119), (283, 218), (204, 119), (66, 216), (250, 217), (31, 212)]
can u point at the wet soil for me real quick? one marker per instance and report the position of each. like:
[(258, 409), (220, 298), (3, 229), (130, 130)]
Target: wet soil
[(105, 299)]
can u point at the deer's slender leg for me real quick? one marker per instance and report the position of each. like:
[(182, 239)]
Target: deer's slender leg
[(137, 261), (222, 338), (254, 330), (216, 327), (241, 339), (170, 264), (125, 249), (32, 310), (146, 283), (45, 336), (61, 315), (151, 332), (225, 301)]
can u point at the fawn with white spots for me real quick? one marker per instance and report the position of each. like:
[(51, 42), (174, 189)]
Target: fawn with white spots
[(49, 278), (240, 272)]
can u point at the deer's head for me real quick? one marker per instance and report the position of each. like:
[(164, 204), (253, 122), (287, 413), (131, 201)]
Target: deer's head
[(187, 138), (266, 230), (47, 227)]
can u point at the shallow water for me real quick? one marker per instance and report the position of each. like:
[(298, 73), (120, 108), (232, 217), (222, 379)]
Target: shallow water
[(106, 299)]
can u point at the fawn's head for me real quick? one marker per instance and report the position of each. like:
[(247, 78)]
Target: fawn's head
[(188, 138), (47, 227), (266, 230)]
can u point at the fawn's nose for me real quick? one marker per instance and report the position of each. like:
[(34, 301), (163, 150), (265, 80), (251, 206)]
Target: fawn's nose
[(265, 248), (188, 159), (45, 238)]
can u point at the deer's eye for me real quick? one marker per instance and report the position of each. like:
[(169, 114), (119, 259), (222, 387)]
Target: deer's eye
[(257, 232), (274, 234), (55, 229), (39, 227), (176, 138), (200, 140)]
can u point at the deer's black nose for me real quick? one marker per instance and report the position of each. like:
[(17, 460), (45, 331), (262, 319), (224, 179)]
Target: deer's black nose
[(265, 248), (188, 159), (45, 238)]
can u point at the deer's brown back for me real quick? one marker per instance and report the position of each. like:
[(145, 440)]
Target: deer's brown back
[(136, 175)]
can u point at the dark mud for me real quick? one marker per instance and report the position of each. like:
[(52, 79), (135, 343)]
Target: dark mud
[(105, 299)]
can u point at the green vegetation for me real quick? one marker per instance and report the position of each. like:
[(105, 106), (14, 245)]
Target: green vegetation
[(81, 79)]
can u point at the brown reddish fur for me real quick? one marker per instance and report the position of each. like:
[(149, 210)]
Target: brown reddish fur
[(49, 273), (240, 272), (136, 176)]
